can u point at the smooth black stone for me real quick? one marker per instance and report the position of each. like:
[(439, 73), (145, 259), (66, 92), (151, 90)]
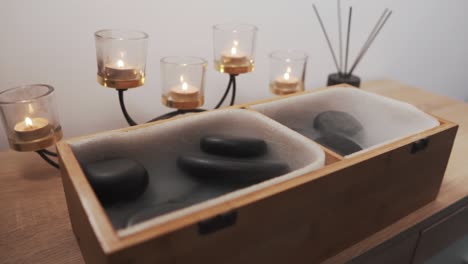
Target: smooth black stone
[(337, 122), (117, 180), (230, 169), (233, 146), (339, 144), (156, 210)]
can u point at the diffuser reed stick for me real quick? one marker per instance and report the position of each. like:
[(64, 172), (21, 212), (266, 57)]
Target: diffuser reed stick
[(371, 34), (369, 43), (340, 36), (326, 37), (348, 37)]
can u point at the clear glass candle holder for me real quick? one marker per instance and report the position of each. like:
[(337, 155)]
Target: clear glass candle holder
[(234, 48), (183, 82), (121, 58), (287, 71), (29, 117)]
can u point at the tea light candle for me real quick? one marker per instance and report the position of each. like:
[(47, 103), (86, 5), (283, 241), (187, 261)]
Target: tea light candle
[(286, 81), (185, 92), (234, 56), (33, 128), (121, 71)]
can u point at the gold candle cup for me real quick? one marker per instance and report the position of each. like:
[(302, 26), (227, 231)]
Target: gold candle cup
[(234, 46), (182, 82), (184, 96), (30, 118), (32, 129), (235, 64), (121, 77), (185, 93), (121, 58), (121, 73), (49, 140), (287, 71), (284, 86)]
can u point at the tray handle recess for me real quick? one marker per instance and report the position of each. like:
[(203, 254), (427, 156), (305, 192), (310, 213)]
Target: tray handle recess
[(216, 223), (419, 145)]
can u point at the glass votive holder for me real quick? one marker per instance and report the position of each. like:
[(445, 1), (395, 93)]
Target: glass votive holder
[(121, 58), (183, 82), (29, 117), (287, 71), (234, 48)]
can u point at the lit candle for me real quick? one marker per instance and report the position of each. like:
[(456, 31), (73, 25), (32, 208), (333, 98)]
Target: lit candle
[(286, 84), (234, 56), (234, 61), (33, 128), (185, 92), (119, 70)]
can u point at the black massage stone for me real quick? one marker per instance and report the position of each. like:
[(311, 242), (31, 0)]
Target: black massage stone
[(231, 169), (242, 147), (117, 180), (337, 122), (339, 144)]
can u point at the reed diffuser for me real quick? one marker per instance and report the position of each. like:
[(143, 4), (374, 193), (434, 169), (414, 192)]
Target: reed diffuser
[(345, 75)]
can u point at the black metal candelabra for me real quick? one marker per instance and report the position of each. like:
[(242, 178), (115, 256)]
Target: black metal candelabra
[(46, 155), (231, 87), (49, 156)]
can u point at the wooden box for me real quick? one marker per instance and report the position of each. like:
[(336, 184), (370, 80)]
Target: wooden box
[(304, 219)]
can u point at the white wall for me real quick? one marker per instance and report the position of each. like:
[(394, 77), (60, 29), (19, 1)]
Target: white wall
[(51, 41)]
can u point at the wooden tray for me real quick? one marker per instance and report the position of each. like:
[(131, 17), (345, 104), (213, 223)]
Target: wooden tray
[(302, 220)]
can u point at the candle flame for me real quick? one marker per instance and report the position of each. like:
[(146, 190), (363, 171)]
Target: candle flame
[(235, 43), (233, 51), (120, 63), (28, 122), (286, 75), (184, 87)]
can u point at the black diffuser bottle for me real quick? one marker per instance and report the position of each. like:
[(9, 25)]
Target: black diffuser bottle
[(337, 78)]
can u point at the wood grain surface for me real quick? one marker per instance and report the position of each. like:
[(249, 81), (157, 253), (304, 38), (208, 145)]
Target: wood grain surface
[(34, 224)]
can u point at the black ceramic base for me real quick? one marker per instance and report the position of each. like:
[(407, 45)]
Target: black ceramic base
[(336, 78)]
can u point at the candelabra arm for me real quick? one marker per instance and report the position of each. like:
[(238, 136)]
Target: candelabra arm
[(131, 122), (231, 84), (129, 119), (233, 95), (44, 155)]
